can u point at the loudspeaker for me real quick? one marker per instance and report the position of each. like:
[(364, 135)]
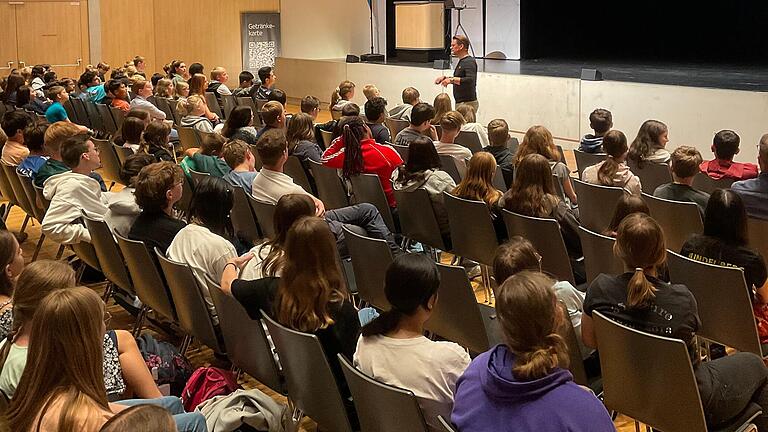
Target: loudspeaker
[(441, 64), (591, 75), (372, 57), (351, 58)]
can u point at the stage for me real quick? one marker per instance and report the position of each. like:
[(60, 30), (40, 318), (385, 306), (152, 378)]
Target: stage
[(694, 100)]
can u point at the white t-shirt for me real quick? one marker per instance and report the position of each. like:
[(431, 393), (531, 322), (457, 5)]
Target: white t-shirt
[(12, 369), (252, 269), (427, 368), (269, 186), (574, 302), (457, 151)]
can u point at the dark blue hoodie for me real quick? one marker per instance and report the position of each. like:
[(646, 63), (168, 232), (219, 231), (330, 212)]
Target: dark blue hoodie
[(489, 398)]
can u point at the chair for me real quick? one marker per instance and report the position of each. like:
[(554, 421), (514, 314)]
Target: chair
[(229, 103), (71, 115), (330, 188), (10, 179), (39, 212), (327, 138), (186, 197), (727, 322), (173, 105), (545, 235), (79, 107), (417, 218), (164, 105), (94, 117), (243, 219), (584, 160), (118, 115), (448, 164), (295, 170), (366, 188), (8, 193), (652, 175), (395, 126), (311, 385), (188, 138), (758, 235), (370, 260), (41, 197), (498, 180), (598, 254), (122, 153), (213, 104), (265, 215), (707, 184), (87, 255), (197, 176), (381, 407), (596, 203), (658, 371), (110, 163), (470, 140), (477, 328), (252, 354), (402, 151), (575, 363), (678, 219), (110, 126), (191, 305), (446, 425), (109, 256)]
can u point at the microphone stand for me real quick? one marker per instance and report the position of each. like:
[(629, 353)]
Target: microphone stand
[(372, 57)]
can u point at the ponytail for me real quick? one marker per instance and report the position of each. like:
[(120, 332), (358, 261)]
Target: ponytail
[(640, 291), (386, 322), (335, 97), (537, 363), (640, 244), (607, 171), (352, 134), (615, 144)]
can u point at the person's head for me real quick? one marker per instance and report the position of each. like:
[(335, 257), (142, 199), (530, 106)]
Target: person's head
[(345, 91), (12, 84), (117, 89), (301, 128), (267, 76), (310, 105), (531, 318), (211, 205), (272, 147), (132, 130), (196, 68), (478, 183), (353, 132), (90, 78), (422, 155), (725, 145), (762, 153), (725, 218), (467, 112), (615, 145), (451, 123), (212, 144), (411, 96), (164, 88), (513, 256), (421, 116), (50, 77), (237, 153), (443, 105), (198, 83), (653, 135), (289, 209), (24, 96), (80, 154), (34, 137), (68, 84), (141, 418), (410, 285), (156, 134), (370, 91), (240, 117), (158, 187), (219, 74), (245, 79), (57, 133), (13, 124), (311, 279), (57, 93), (625, 206), (140, 114), (376, 109), (182, 89), (102, 68), (601, 121), (38, 71), (11, 262), (350, 109), (533, 190), (142, 88), (459, 45), (139, 63), (66, 341), (538, 140), (277, 95), (132, 166), (685, 162), (191, 106), (498, 133), (273, 114), (640, 245)]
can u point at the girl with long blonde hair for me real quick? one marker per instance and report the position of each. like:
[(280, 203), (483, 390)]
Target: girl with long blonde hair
[(539, 140), (478, 183), (442, 105)]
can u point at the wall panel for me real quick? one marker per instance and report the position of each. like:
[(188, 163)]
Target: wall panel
[(127, 31)]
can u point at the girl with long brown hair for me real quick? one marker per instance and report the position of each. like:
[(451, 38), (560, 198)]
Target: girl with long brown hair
[(613, 171), (539, 140), (198, 83), (301, 139), (650, 144), (442, 105), (477, 185), (11, 264), (342, 95)]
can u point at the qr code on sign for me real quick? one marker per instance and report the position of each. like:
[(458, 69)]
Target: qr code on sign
[(264, 53)]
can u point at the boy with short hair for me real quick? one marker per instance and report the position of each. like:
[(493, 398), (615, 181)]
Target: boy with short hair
[(725, 145), (13, 125), (410, 99), (451, 124), (370, 91), (56, 111), (375, 114), (207, 158), (601, 121), (119, 94), (498, 136), (421, 117), (273, 115), (685, 165), (34, 138), (246, 87), (239, 157)]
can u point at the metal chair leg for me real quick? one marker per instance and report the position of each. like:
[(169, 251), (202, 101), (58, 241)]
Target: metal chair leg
[(60, 252), (139, 321), (24, 224), (185, 344), (108, 292), (39, 245)]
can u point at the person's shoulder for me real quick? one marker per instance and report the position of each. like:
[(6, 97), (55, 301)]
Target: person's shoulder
[(449, 352), (662, 191)]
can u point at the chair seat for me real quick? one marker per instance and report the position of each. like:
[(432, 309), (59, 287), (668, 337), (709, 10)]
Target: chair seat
[(750, 412)]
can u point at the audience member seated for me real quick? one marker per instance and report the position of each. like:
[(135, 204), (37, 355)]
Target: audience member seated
[(130, 133), (311, 105), (34, 139), (300, 135), (123, 209), (728, 384), (451, 126), (403, 111), (753, 191), (650, 144), (181, 90), (178, 71), (29, 101), (375, 115), (394, 350), (420, 116), (56, 111), (192, 110), (477, 185), (238, 156), (273, 116), (165, 88), (155, 141), (355, 152), (342, 95), (10, 92), (12, 261), (196, 68), (13, 124), (207, 159), (370, 91), (55, 135), (246, 87), (443, 105), (725, 145), (141, 417), (119, 94), (268, 78), (348, 110), (238, 125), (685, 166), (538, 140), (218, 84), (601, 121), (498, 137), (157, 188), (142, 90), (278, 95), (613, 171), (471, 124), (63, 388), (95, 90), (37, 83), (423, 171), (625, 206), (524, 381), (74, 193), (198, 83)]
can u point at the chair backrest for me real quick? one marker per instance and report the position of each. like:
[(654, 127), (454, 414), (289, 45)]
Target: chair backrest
[(7, 190), (330, 188), (110, 163), (402, 151), (41, 198), (545, 235), (472, 232), (446, 425), (758, 235), (370, 260), (678, 219), (727, 322), (265, 215), (122, 153), (656, 369), (382, 407), (596, 203), (188, 138), (189, 299), (174, 106), (229, 103), (477, 328), (79, 107), (470, 140), (213, 104), (584, 159), (598, 254), (67, 107), (110, 126), (149, 285), (94, 117), (10, 180), (311, 385), (108, 253), (327, 137), (395, 126), (197, 176), (87, 254), (575, 363), (652, 175), (448, 164), (119, 116), (243, 219), (295, 170), (253, 353), (498, 180), (164, 105), (29, 191), (707, 184), (186, 197), (366, 188), (417, 218)]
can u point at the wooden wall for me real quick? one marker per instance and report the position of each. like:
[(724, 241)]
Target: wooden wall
[(204, 31)]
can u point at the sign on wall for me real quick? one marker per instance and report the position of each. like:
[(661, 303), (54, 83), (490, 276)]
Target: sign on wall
[(261, 39)]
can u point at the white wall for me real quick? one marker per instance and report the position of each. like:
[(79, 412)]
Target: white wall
[(324, 29)]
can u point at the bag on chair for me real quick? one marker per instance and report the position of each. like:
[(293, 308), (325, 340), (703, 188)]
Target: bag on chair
[(205, 383), (167, 364)]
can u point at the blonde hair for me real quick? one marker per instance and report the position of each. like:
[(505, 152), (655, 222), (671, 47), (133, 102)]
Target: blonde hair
[(451, 121), (467, 112), (478, 183), (189, 105), (164, 88), (685, 161), (370, 91), (58, 132), (640, 244), (538, 140), (442, 105), (180, 86)]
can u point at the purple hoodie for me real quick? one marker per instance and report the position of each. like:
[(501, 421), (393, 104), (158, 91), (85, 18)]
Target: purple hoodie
[(489, 398)]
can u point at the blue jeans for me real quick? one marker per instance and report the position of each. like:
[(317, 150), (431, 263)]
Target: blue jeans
[(185, 422), (365, 216)]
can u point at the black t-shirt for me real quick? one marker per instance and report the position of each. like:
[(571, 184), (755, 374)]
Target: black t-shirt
[(714, 251), (155, 230), (672, 313), (466, 69), (379, 133)]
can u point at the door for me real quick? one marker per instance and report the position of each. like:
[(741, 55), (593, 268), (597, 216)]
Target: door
[(8, 53)]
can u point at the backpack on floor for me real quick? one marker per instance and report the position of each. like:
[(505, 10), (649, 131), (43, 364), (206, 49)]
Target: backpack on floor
[(205, 383), (167, 364)]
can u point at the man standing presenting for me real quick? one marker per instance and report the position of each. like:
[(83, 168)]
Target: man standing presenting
[(464, 77)]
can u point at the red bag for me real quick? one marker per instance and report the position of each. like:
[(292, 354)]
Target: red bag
[(205, 383)]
